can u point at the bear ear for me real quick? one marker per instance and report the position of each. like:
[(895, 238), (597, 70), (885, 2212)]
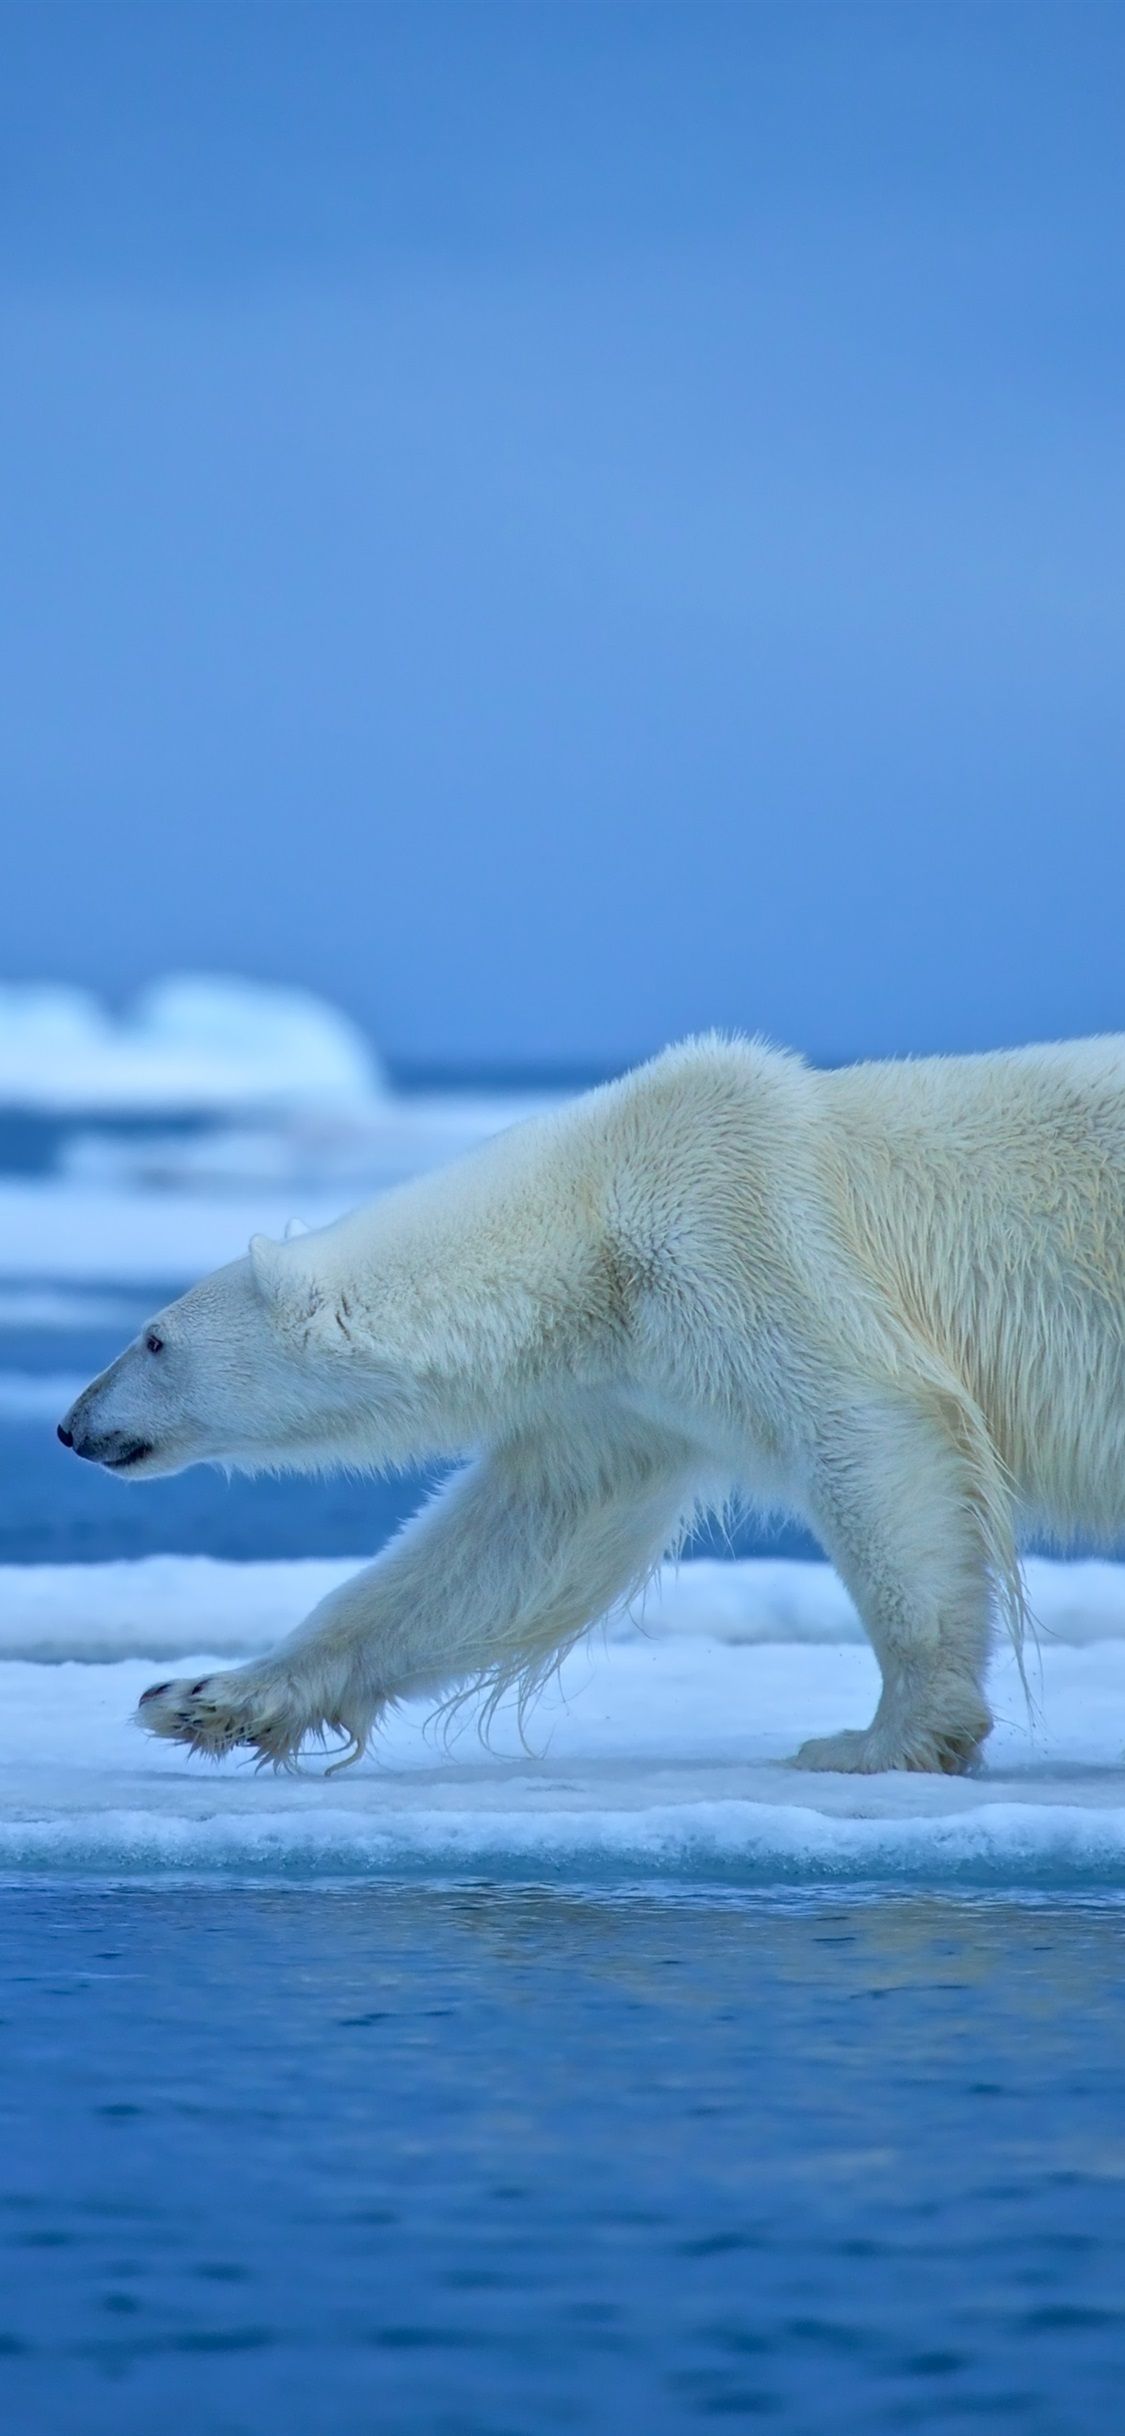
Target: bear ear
[(295, 1296), (293, 1228)]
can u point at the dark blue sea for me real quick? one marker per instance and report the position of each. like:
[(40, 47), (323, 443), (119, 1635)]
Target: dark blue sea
[(496, 2161), (492, 2159)]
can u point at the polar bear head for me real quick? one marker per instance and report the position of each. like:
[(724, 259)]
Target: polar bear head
[(247, 1369), (444, 1314)]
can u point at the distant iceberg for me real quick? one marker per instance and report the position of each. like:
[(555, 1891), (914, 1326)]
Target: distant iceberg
[(192, 1042)]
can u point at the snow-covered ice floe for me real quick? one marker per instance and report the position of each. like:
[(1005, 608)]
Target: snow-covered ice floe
[(661, 1755), (192, 1041)]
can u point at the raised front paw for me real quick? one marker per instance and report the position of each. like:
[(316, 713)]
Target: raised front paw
[(259, 1709)]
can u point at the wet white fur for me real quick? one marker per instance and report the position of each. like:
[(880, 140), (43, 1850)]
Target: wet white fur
[(889, 1300)]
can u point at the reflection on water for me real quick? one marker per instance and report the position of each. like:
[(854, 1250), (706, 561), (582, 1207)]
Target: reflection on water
[(511, 2161)]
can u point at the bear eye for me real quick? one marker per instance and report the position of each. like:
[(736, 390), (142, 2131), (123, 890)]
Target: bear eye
[(153, 1342)]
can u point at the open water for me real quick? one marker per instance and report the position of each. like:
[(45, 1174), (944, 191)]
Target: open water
[(499, 2161)]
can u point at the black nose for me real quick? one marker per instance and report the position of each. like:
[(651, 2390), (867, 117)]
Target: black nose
[(64, 1435)]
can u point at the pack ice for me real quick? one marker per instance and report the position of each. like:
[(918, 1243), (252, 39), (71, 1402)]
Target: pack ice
[(659, 1757)]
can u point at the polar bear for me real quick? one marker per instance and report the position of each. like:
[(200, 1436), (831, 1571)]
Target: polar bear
[(889, 1300)]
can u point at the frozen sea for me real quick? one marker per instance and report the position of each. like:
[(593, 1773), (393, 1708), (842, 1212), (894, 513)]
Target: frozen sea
[(625, 2080)]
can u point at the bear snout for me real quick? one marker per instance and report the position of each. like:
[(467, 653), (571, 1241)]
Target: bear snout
[(117, 1450), (72, 1432)]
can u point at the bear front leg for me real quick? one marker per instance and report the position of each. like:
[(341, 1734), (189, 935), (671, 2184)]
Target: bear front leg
[(904, 1520), (505, 1567)]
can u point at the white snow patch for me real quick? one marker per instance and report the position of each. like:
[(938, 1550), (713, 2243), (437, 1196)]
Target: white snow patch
[(159, 1608), (167, 1608), (662, 1754)]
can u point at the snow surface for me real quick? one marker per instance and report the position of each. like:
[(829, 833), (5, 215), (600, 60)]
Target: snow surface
[(168, 1608), (192, 1041), (662, 1753)]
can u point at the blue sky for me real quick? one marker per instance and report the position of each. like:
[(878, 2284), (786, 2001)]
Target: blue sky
[(563, 524)]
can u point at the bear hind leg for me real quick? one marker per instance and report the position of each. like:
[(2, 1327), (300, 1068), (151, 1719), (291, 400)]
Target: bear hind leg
[(912, 1530)]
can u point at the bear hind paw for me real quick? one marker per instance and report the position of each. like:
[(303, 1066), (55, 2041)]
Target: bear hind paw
[(948, 1748)]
